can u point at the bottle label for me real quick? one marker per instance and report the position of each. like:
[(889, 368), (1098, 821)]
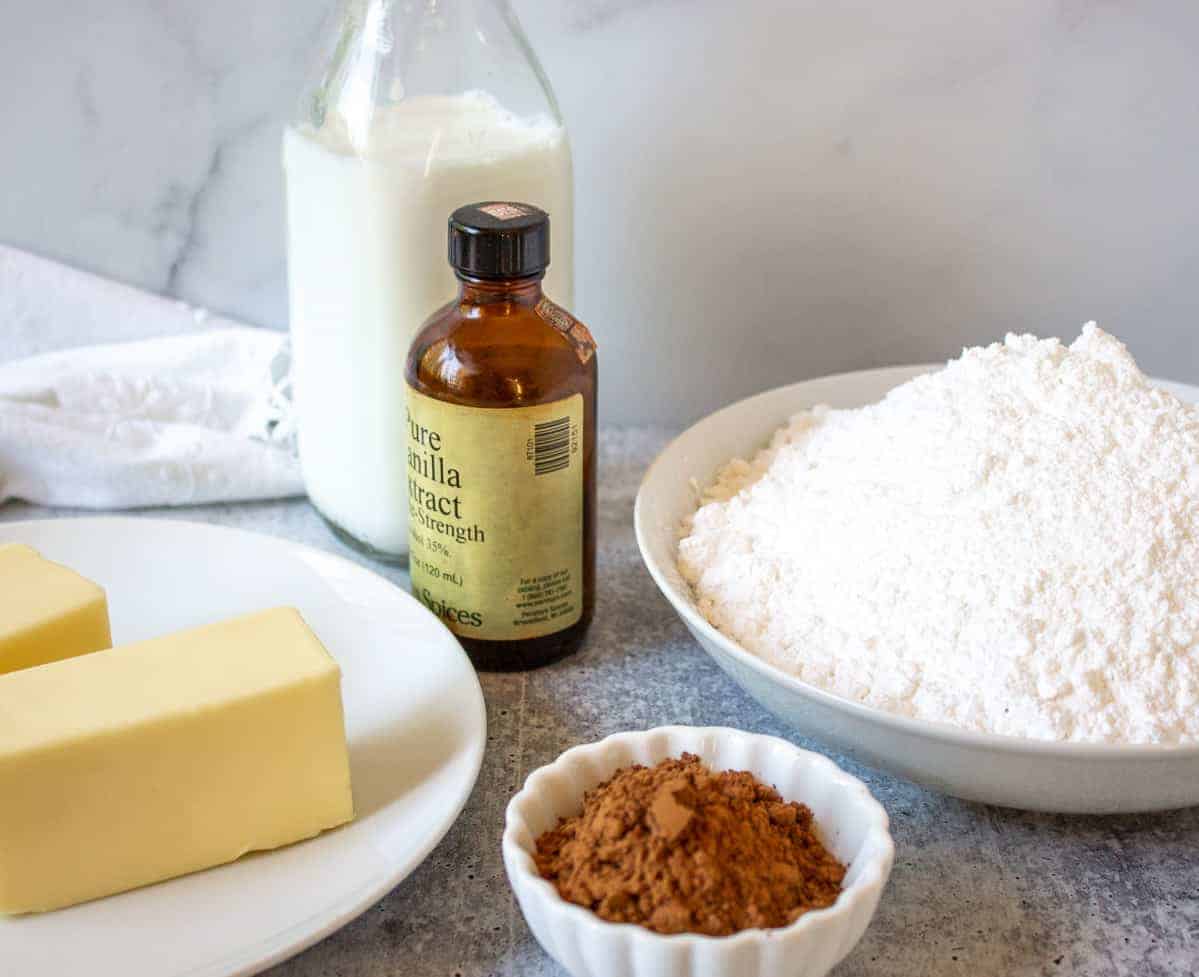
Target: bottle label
[(505, 212), (495, 500), (570, 327)]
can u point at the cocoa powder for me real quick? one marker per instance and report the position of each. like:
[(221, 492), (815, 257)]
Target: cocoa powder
[(680, 849)]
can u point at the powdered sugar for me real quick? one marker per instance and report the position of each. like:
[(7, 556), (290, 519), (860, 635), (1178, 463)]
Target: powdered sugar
[(1007, 545)]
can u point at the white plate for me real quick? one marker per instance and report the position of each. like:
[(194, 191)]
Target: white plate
[(414, 717), (1023, 773)]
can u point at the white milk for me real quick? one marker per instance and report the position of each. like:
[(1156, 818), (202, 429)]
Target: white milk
[(367, 265)]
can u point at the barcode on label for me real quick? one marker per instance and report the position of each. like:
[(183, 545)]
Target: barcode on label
[(551, 446)]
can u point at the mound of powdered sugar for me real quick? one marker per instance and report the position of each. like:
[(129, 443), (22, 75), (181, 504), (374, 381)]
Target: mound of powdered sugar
[(1007, 545)]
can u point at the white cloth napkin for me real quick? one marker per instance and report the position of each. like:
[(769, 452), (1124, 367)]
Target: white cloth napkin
[(187, 418)]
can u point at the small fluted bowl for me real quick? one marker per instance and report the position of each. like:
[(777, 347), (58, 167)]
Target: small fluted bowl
[(851, 824)]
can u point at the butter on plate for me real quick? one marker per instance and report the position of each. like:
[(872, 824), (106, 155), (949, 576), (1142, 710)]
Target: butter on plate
[(163, 757), (47, 612)]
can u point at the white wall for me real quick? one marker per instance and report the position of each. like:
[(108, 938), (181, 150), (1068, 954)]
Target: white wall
[(766, 190)]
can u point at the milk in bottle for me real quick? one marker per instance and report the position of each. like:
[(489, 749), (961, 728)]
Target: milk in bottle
[(398, 133)]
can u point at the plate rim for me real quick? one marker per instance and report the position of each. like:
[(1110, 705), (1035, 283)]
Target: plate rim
[(278, 947), (941, 732)]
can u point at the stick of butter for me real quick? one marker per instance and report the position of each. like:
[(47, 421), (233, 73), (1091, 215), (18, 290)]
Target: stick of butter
[(167, 756), (47, 612)]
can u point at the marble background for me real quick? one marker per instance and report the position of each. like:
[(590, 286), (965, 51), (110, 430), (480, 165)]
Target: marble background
[(766, 190)]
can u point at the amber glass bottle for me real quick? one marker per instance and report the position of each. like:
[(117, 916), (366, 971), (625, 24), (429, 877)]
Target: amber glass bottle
[(501, 449)]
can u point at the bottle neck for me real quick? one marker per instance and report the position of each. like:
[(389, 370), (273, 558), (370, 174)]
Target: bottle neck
[(484, 291)]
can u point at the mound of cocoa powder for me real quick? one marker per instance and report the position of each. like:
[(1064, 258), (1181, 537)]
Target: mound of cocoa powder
[(680, 849)]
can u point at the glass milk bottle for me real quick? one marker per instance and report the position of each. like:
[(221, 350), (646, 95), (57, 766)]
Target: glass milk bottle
[(420, 106)]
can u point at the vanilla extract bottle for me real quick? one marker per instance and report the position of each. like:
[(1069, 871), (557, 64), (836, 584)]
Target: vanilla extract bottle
[(501, 449)]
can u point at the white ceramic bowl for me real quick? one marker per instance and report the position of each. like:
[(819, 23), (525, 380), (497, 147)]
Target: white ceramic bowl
[(852, 824), (1023, 773)]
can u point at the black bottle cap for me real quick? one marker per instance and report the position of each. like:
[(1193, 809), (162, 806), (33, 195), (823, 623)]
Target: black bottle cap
[(499, 239)]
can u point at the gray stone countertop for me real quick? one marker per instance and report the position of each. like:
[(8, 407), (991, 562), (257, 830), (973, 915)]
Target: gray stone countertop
[(975, 891)]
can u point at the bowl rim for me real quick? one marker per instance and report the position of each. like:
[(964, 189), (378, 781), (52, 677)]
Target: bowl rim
[(941, 732), (518, 858)]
